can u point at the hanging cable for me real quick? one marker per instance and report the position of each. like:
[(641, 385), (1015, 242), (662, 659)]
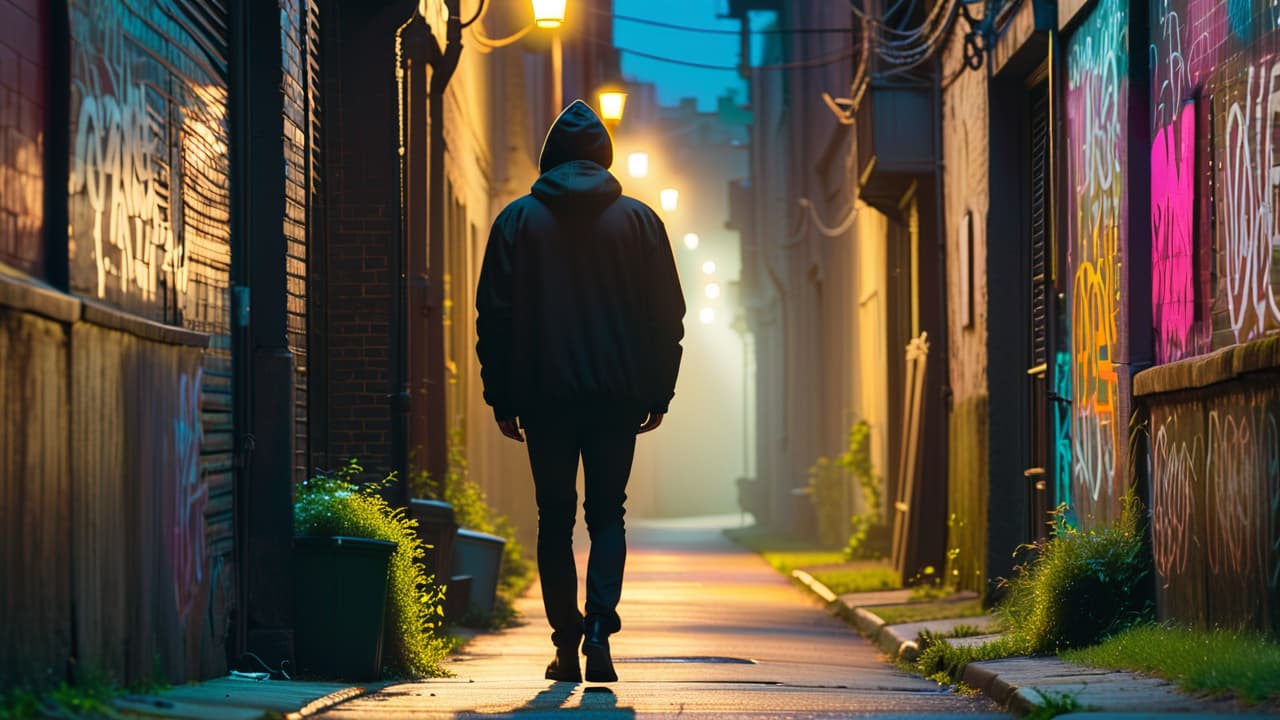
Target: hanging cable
[(825, 229), (491, 43), (819, 62), (474, 18)]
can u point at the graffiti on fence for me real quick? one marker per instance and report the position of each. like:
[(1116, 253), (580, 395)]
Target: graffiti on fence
[(1246, 209), (191, 497), (1215, 503), (1173, 280), (1096, 108)]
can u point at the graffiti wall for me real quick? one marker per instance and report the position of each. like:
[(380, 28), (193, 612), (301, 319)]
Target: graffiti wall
[(1096, 108), (148, 190), (1215, 504), (1215, 240)]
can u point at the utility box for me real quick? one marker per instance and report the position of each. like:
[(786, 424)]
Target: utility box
[(896, 126)]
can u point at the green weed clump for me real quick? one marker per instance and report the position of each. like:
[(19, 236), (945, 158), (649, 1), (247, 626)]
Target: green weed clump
[(1212, 661), (333, 504), (865, 536), (1081, 586)]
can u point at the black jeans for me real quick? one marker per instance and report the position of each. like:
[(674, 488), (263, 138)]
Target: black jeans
[(605, 439)]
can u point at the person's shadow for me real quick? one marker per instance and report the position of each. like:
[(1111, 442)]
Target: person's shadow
[(596, 699)]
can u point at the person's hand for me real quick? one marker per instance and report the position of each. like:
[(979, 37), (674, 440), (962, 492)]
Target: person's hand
[(655, 419), (511, 429)]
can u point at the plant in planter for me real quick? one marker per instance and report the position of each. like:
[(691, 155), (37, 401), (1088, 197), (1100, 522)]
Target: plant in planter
[(332, 504)]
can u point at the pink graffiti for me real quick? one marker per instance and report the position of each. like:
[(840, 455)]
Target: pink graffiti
[(190, 498), (1173, 297)]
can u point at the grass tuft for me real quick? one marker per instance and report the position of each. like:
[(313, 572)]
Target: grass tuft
[(857, 577), (1215, 662), (1053, 704)]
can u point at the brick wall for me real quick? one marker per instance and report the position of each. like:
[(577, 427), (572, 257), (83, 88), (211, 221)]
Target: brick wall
[(22, 117), (362, 214)]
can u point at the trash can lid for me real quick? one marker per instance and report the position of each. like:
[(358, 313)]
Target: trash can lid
[(345, 540), (482, 537)]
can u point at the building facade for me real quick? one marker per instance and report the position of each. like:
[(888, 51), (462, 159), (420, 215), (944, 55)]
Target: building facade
[(238, 243)]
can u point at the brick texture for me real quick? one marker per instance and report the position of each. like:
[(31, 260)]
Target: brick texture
[(22, 118)]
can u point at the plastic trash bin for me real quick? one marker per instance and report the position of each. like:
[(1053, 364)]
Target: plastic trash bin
[(340, 601), (479, 555)]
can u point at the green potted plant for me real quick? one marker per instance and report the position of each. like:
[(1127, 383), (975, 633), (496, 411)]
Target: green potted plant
[(363, 601)]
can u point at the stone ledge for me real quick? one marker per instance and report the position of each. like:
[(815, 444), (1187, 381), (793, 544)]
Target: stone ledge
[(108, 317), (1219, 366), (34, 297)]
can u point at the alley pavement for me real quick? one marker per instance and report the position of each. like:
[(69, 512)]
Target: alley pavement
[(709, 630)]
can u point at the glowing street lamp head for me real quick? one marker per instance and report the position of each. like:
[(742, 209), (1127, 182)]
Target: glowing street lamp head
[(709, 267), (707, 316), (713, 290), (612, 103), (638, 164), (548, 13), (670, 199), (691, 240)]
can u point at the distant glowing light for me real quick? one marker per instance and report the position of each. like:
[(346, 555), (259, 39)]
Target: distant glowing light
[(670, 199), (709, 267), (638, 164), (707, 316), (691, 240), (713, 290)]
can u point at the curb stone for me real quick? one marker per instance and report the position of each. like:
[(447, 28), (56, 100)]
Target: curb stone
[(1014, 683)]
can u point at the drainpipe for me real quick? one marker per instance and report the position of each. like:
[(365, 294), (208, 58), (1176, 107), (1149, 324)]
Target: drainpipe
[(437, 422)]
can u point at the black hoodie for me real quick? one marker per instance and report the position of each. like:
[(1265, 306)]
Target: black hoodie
[(578, 299)]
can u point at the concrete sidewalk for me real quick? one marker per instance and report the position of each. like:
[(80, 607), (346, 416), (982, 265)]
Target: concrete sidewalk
[(1021, 684), (241, 697)]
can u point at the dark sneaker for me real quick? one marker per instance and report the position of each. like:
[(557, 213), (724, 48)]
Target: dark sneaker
[(595, 646), (564, 668)]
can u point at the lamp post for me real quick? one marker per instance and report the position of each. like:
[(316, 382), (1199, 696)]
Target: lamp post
[(550, 14)]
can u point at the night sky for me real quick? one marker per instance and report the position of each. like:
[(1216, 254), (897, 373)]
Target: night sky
[(676, 81)]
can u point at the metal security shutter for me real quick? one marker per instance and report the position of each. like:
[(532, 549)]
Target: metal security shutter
[(1040, 204)]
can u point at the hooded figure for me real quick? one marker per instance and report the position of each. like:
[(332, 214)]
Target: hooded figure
[(579, 322)]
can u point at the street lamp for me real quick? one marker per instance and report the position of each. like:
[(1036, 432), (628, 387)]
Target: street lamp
[(548, 13), (670, 199), (713, 290), (707, 316), (612, 103), (691, 240), (709, 267), (638, 164)]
